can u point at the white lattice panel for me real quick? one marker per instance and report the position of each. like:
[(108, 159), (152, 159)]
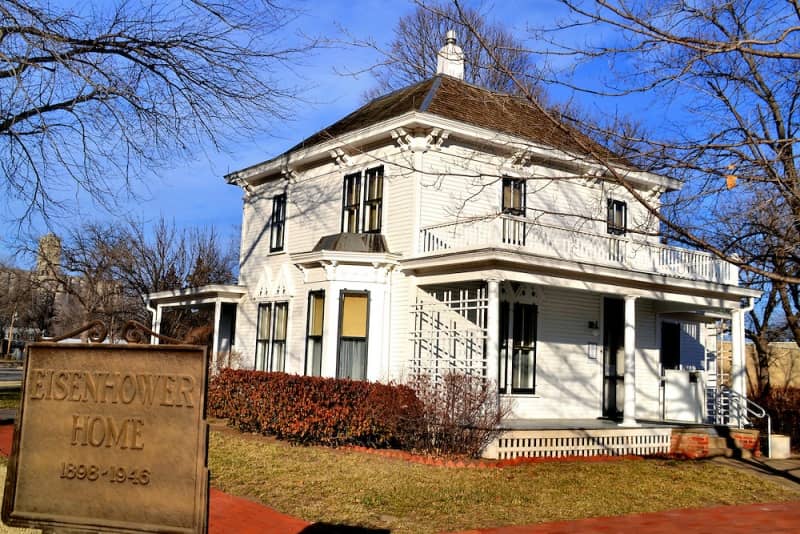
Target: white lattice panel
[(598, 442)]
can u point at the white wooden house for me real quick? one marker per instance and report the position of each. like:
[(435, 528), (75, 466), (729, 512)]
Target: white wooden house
[(447, 227)]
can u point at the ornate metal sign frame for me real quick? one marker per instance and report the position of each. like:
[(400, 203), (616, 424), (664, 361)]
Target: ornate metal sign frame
[(111, 438)]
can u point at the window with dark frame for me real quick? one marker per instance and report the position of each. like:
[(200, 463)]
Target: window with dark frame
[(263, 328), (523, 354), (277, 223), (617, 217), (513, 196), (353, 325), (271, 336), (278, 355), (316, 316), (373, 200), (670, 354), (351, 202), (517, 373)]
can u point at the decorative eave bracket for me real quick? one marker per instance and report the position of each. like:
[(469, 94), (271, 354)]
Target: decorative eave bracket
[(419, 143), (341, 158)]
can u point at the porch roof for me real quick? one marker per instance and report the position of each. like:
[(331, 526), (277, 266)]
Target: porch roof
[(452, 266), (196, 295)]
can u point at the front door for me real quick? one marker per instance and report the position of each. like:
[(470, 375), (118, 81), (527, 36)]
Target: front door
[(613, 357)]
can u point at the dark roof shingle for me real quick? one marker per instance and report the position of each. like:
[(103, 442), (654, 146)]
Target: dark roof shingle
[(455, 99)]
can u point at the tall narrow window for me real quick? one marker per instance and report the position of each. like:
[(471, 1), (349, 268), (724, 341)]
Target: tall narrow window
[(353, 313), (278, 357), (514, 230), (351, 202), (316, 315), (514, 196), (263, 336), (617, 217), (277, 222), (523, 364), (271, 336), (505, 339), (373, 199), (670, 346)]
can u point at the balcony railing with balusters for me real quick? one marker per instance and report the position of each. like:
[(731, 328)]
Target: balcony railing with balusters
[(518, 233)]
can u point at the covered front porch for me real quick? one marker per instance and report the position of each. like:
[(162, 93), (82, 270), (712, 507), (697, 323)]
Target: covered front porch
[(219, 304), (566, 351)]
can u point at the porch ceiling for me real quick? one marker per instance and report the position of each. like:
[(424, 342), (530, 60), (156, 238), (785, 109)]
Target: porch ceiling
[(529, 268)]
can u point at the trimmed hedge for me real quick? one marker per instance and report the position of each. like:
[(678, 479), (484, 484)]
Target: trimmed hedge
[(306, 409)]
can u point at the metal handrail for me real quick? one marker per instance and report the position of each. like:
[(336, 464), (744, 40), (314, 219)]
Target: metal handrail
[(752, 408)]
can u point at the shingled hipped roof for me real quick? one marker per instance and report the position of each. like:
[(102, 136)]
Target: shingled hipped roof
[(455, 99)]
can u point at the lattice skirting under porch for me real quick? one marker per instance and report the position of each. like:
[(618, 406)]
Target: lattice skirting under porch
[(558, 443)]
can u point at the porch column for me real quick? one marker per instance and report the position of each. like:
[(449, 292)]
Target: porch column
[(330, 331), (215, 345), (492, 329), (629, 409), (156, 327), (737, 359)]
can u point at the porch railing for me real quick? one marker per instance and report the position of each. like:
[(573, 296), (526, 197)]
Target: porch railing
[(518, 233), (736, 410)]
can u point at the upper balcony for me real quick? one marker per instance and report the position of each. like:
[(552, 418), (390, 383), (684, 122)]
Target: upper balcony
[(526, 235)]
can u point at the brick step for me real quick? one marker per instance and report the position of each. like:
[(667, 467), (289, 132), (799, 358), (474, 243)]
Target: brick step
[(710, 442)]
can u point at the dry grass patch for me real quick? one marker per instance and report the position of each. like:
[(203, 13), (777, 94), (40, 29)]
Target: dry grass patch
[(359, 489)]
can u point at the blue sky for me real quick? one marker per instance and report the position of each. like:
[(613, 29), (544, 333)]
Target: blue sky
[(194, 193)]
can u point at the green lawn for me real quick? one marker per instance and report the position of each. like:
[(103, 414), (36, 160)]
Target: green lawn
[(361, 489)]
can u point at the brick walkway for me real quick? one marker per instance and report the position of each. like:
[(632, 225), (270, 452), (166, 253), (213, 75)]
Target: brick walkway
[(234, 515), (747, 519)]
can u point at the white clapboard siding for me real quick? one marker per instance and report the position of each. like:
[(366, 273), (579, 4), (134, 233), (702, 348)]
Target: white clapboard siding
[(462, 183), (648, 377), (568, 382)]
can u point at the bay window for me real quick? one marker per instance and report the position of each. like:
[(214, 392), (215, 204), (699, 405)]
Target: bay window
[(353, 325)]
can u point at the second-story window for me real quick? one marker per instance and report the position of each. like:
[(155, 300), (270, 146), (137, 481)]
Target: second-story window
[(617, 217), (373, 200), (366, 200), (277, 223), (514, 196), (351, 203)]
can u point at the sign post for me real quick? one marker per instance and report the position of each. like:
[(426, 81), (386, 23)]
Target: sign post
[(111, 438)]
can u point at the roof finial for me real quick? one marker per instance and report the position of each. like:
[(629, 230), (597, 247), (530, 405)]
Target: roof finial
[(451, 57)]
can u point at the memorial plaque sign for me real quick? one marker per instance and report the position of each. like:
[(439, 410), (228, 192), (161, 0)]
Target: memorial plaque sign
[(110, 438)]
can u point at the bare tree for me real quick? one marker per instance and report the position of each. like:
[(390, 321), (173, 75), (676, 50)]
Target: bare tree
[(721, 80), (418, 37), (106, 269), (94, 94)]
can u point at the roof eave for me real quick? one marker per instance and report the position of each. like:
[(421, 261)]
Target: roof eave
[(288, 160)]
